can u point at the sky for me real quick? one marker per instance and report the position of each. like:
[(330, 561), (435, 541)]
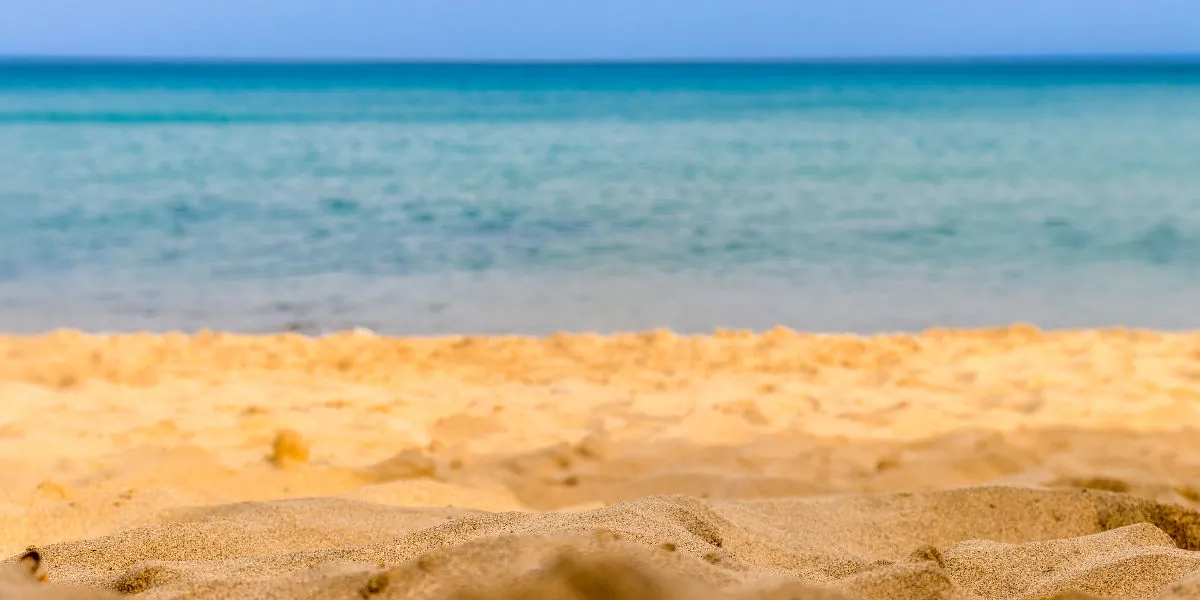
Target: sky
[(594, 29)]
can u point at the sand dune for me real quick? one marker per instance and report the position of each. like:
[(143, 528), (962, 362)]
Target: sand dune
[(1007, 463)]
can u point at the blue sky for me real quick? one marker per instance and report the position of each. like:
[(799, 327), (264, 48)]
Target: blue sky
[(595, 29)]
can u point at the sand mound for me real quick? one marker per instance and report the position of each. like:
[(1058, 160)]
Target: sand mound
[(24, 576), (1008, 463), (990, 542)]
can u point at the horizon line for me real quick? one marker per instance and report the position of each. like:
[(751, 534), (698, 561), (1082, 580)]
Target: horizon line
[(466, 61)]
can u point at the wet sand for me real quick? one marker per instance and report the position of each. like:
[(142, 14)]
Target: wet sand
[(1006, 463)]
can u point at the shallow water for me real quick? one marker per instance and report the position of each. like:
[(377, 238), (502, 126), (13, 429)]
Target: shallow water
[(519, 198)]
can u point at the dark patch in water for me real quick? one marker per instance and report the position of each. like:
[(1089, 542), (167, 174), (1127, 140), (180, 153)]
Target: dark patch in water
[(1160, 245), (339, 206), (318, 234), (1065, 235), (927, 234)]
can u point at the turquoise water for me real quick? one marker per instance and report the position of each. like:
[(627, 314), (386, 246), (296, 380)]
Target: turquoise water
[(530, 198)]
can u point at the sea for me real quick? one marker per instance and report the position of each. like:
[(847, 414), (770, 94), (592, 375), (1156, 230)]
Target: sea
[(506, 198)]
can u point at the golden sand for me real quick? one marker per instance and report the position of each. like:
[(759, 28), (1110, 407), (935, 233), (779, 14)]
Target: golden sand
[(1007, 464)]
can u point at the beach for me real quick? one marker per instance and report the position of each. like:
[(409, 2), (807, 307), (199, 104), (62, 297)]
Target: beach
[(997, 463)]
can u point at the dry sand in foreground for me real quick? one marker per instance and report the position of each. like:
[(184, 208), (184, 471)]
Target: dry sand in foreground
[(1006, 463)]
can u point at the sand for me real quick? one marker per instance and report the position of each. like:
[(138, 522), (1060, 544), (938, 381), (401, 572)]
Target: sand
[(1007, 464)]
